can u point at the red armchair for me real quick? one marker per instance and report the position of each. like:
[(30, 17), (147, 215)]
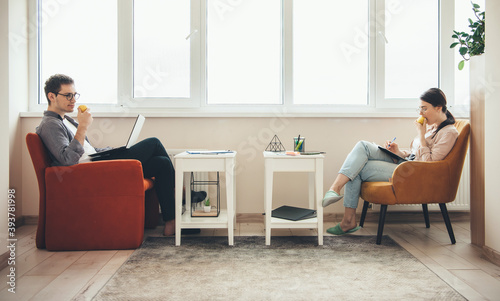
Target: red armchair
[(91, 206)]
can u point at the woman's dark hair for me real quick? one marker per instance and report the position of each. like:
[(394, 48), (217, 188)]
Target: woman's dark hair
[(436, 98), (53, 84)]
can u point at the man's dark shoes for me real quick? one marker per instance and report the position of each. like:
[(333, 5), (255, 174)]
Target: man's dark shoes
[(198, 196)]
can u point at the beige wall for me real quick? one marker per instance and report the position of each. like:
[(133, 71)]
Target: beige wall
[(18, 87), (492, 126), (4, 119), (248, 136)]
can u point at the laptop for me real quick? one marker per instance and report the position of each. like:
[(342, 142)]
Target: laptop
[(132, 139)]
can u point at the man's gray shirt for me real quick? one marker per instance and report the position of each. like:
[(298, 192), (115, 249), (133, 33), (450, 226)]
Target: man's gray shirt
[(64, 150)]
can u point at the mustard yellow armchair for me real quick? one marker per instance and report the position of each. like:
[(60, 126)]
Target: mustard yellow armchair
[(417, 182)]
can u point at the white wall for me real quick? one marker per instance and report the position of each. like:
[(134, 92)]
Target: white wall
[(492, 126)]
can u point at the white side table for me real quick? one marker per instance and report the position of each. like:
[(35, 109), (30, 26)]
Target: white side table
[(313, 164), (187, 163)]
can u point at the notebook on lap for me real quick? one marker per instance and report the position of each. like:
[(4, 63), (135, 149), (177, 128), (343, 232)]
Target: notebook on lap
[(132, 139), (394, 155)]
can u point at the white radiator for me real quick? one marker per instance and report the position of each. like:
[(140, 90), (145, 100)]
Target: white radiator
[(461, 203)]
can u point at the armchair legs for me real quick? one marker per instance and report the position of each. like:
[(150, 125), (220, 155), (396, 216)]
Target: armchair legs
[(426, 215), (381, 219), (383, 212), (447, 221), (363, 213)]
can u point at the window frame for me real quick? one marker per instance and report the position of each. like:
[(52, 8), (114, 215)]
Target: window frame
[(197, 105)]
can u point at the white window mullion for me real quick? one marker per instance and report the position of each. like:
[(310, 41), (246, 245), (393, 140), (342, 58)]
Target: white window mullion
[(287, 78), (125, 53), (199, 53), (372, 53), (380, 40), (33, 50), (446, 54)]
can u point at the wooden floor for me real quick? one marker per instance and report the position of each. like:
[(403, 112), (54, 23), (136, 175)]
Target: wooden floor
[(43, 275)]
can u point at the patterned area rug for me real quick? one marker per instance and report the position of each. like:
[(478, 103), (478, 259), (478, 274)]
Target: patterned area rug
[(292, 268)]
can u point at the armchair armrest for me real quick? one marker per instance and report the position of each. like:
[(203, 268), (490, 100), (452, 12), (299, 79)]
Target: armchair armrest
[(409, 179), (115, 177)]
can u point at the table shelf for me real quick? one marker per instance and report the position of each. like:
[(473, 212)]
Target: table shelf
[(204, 222), (305, 223)]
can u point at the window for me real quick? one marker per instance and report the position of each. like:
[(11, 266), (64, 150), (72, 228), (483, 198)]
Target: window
[(412, 47), (244, 52), (330, 52), (217, 55), (162, 48), (81, 41)]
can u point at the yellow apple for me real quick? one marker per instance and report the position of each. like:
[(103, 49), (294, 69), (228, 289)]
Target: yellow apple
[(82, 108)]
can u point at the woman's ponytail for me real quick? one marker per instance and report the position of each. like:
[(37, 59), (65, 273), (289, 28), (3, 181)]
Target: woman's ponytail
[(449, 120)]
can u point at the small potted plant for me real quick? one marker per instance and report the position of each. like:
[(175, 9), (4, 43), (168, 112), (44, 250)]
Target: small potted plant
[(471, 44), (207, 207)]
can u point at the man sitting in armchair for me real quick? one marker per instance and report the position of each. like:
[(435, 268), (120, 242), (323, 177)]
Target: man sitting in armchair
[(67, 144)]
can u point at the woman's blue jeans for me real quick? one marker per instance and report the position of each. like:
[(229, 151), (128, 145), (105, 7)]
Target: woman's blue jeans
[(365, 163)]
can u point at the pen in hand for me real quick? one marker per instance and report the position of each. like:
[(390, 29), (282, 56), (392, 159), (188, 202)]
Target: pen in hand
[(388, 145)]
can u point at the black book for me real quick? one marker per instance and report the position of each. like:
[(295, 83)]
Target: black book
[(293, 213)]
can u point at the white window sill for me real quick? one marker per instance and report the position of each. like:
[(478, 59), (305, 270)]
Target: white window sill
[(253, 111)]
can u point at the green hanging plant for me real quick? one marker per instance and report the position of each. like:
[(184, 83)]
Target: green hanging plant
[(472, 43)]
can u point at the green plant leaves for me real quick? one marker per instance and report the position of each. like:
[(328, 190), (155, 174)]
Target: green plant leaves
[(461, 65), (463, 51), (471, 44)]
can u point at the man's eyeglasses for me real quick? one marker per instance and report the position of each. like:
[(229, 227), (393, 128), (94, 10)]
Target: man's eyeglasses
[(69, 96), (421, 109)]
